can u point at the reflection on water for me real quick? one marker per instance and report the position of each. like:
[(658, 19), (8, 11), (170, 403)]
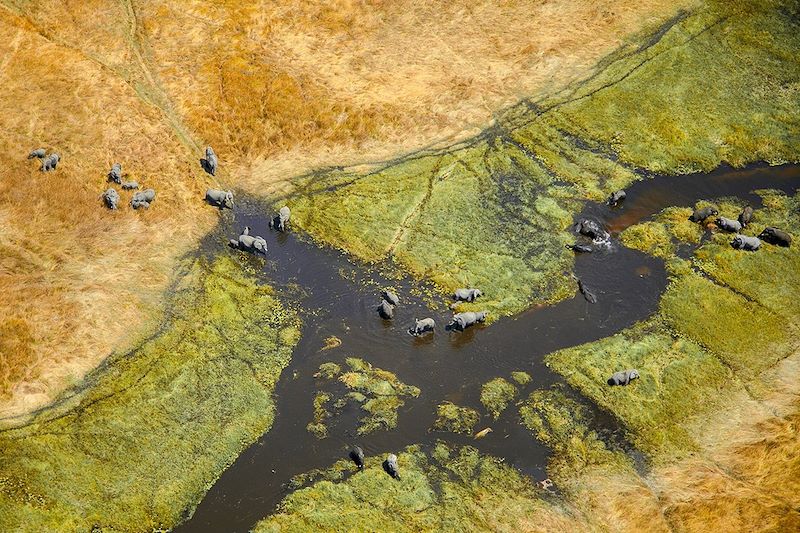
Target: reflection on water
[(446, 366)]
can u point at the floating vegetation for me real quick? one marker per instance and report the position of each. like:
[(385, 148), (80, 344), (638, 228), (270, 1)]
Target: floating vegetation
[(378, 392), (145, 435), (522, 378), (495, 212), (331, 342), (496, 395), (456, 419)]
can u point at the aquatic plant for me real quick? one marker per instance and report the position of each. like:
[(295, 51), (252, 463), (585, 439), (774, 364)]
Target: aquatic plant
[(317, 426), (454, 418), (522, 378), (137, 444), (496, 395)]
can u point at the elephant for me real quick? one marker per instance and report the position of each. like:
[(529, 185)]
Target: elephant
[(462, 321), (616, 197), (580, 248), (746, 216), (210, 162), (115, 174), (386, 310), (467, 295), (586, 292), (726, 224), (422, 326), (248, 243), (218, 198), (39, 153), (130, 185), (143, 198), (111, 198), (591, 229), (390, 297), (699, 215), (281, 220), (390, 465), (50, 162), (743, 242), (357, 455), (624, 377), (776, 237)]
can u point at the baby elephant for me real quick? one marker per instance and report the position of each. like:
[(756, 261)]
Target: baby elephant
[(130, 185), (386, 310), (50, 162), (143, 198), (210, 162), (699, 215), (462, 321), (776, 237), (390, 465), (726, 224), (623, 378), (218, 198), (281, 220), (111, 198), (115, 174), (39, 153), (743, 242), (390, 297), (422, 326), (746, 216), (580, 248), (616, 197), (467, 295), (591, 229), (248, 243)]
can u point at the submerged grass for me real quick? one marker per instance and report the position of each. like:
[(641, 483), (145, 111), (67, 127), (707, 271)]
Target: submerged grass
[(454, 418), (496, 395), (143, 438), (493, 212)]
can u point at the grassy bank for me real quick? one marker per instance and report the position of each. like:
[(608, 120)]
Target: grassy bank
[(138, 443), (718, 84)]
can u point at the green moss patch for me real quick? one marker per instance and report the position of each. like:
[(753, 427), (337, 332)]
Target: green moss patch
[(496, 395), (454, 418), (523, 378), (650, 237), (149, 432)]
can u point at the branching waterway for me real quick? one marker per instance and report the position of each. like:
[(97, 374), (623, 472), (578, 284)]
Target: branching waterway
[(339, 297)]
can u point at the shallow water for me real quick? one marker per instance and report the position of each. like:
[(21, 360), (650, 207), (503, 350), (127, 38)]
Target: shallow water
[(448, 365)]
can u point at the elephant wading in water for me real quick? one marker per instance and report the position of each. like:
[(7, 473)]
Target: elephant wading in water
[(218, 198), (386, 310), (591, 229), (248, 243), (421, 327), (281, 221), (616, 197), (462, 321), (624, 377)]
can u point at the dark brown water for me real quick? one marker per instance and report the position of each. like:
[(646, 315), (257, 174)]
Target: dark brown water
[(447, 366)]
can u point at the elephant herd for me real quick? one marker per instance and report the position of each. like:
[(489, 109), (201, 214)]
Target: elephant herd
[(770, 235), (460, 322)]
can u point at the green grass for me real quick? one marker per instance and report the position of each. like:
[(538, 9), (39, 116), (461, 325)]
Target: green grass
[(456, 419), (494, 212), (146, 435), (496, 395)]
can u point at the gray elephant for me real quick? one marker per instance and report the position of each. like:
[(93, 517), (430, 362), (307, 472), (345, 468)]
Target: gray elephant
[(580, 248), (143, 198), (726, 224), (616, 197), (357, 455), (111, 198), (390, 297), (50, 162), (591, 229), (699, 215), (746, 216), (281, 220), (586, 292), (467, 295), (218, 198), (743, 242), (462, 321), (386, 310), (776, 237), (422, 326), (210, 161), (130, 185), (115, 174), (248, 243), (39, 153), (624, 377), (390, 465)]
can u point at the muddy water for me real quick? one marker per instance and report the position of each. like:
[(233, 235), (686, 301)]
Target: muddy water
[(339, 298)]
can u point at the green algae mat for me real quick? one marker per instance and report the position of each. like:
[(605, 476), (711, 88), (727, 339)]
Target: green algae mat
[(145, 436), (718, 84)]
